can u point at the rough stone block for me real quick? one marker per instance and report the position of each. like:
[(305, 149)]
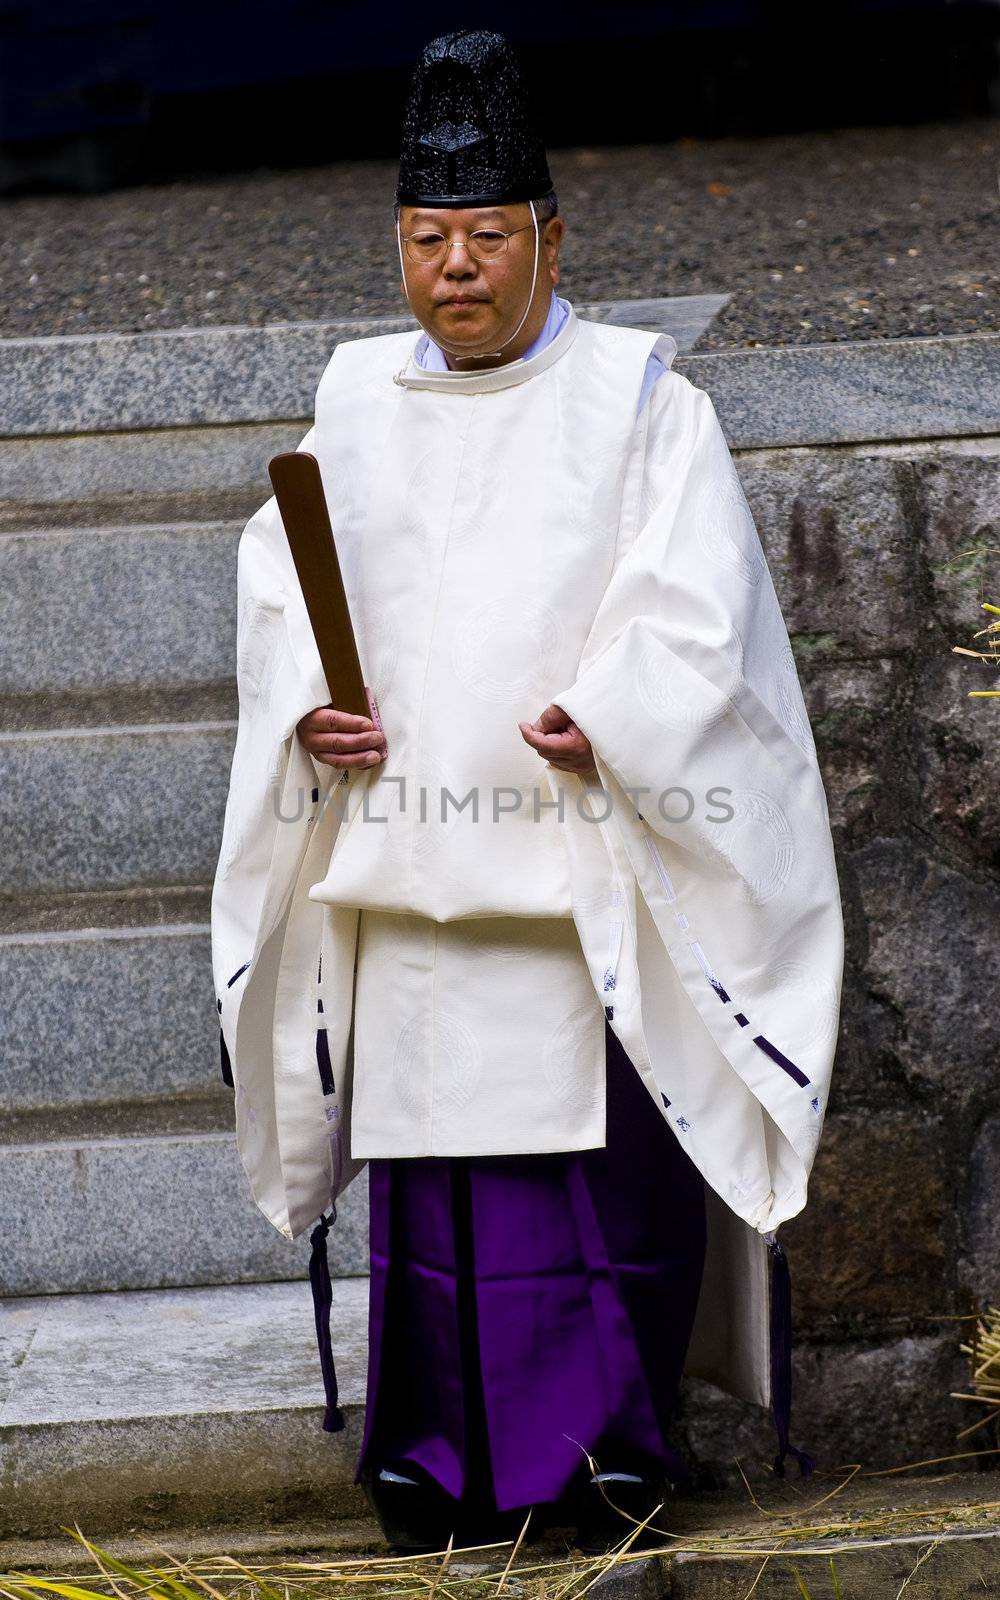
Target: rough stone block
[(144, 1213), (932, 967), (106, 1014), (980, 1260), (940, 1563), (959, 758), (838, 546), (106, 808), (877, 1201), (99, 609), (956, 487), (179, 1406), (643, 1579), (880, 1405), (859, 716)]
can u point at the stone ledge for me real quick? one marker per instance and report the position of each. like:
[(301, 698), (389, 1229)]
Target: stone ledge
[(113, 807), (99, 479), (207, 1109), (871, 390), (874, 390), (56, 914), (97, 610), (78, 1216), (111, 982), (964, 1561), (85, 383), (179, 1402), (177, 1408)]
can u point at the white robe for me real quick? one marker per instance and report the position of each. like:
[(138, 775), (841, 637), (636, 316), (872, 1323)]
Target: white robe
[(510, 538)]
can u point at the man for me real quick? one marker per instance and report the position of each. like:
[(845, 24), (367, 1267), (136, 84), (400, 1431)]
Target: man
[(556, 945)]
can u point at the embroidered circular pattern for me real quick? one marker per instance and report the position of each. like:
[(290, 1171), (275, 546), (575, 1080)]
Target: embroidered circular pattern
[(489, 500), (339, 489), (679, 695), (505, 651), (758, 844), (431, 833), (256, 657), (588, 502), (725, 528), (791, 707), (381, 649), (505, 938), (235, 831), (435, 1051), (569, 1058), (809, 1001), (426, 498)]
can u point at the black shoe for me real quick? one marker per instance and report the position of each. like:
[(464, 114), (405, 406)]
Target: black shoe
[(415, 1517), (485, 1525), (608, 1502)]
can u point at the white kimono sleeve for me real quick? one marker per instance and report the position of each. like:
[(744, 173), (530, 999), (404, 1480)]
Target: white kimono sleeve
[(689, 694), (259, 900)]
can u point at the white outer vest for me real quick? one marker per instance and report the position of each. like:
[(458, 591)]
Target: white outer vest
[(480, 531), (474, 574)]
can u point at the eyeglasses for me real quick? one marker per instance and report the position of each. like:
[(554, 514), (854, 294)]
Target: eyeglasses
[(485, 244)]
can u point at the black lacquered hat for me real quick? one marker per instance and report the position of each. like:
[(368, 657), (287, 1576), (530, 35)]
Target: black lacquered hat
[(468, 138)]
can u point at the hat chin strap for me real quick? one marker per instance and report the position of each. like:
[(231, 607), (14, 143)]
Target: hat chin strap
[(485, 355)]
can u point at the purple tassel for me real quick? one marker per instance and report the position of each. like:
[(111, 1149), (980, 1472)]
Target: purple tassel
[(781, 1361), (322, 1293)]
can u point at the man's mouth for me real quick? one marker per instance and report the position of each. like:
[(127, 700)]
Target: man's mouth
[(459, 302)]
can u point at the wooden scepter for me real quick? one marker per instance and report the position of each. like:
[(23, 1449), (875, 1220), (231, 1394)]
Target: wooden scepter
[(298, 488)]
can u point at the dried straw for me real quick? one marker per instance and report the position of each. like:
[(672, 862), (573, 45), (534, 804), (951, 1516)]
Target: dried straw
[(983, 1351), (494, 1570), (991, 655)]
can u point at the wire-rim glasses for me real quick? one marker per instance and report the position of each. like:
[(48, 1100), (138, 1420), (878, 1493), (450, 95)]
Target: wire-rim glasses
[(428, 247)]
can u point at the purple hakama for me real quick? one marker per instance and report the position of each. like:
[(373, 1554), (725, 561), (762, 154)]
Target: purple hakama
[(526, 1310)]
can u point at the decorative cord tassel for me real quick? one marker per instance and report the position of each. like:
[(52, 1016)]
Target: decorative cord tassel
[(323, 1061), (322, 1293), (226, 1064), (781, 1360)]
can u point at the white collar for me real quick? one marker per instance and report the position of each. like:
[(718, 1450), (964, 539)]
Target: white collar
[(412, 376)]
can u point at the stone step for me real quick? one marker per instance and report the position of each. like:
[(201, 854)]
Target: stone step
[(113, 807), (151, 396), (106, 1014), (101, 610), (187, 1404), (143, 1198), (172, 1410), (93, 383), (194, 474)]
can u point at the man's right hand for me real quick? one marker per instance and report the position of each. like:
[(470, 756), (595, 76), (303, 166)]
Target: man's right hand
[(340, 739)]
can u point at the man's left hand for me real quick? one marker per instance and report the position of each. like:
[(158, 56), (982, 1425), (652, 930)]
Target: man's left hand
[(556, 737)]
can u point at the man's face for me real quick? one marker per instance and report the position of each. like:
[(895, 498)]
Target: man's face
[(470, 305)]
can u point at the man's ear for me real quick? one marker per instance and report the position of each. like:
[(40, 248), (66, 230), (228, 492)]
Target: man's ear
[(552, 240)]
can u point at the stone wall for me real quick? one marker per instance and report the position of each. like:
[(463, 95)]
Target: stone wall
[(881, 555)]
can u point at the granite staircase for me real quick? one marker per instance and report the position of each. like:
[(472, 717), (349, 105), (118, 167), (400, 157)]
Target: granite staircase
[(118, 1169)]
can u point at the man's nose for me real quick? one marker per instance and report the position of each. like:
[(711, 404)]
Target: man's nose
[(459, 261)]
